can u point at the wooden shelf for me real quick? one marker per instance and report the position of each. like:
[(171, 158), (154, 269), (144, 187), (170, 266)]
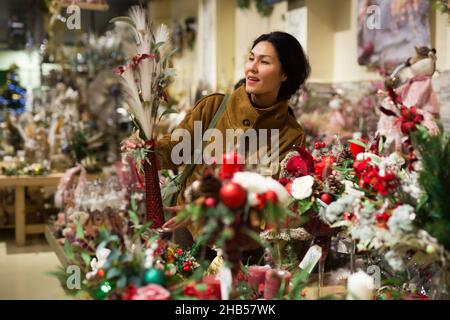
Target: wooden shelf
[(86, 6)]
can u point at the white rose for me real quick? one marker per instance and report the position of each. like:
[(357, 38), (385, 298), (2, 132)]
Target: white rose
[(302, 187), (360, 286)]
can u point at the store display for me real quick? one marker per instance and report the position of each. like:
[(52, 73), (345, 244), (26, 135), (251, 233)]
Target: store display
[(357, 210)]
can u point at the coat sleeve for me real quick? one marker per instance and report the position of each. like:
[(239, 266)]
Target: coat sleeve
[(203, 111)]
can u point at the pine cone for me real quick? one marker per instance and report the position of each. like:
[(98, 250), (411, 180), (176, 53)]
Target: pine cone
[(334, 185), (344, 155), (210, 186)]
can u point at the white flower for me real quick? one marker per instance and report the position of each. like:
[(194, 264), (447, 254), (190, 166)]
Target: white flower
[(258, 184), (338, 207), (139, 17), (351, 190), (360, 286), (162, 35), (99, 262), (401, 219), (302, 187)]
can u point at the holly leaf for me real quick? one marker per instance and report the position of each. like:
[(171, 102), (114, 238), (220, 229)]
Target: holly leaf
[(122, 282), (304, 205), (80, 231), (68, 250), (86, 258)]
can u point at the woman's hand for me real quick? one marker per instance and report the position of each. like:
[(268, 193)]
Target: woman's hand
[(173, 224)]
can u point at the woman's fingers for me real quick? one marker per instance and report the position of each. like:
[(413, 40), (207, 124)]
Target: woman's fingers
[(173, 224)]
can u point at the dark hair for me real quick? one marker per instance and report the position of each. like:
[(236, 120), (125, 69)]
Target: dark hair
[(294, 63)]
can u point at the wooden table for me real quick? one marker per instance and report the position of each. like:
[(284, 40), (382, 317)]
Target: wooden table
[(20, 183)]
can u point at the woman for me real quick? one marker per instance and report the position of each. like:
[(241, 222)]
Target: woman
[(275, 69)]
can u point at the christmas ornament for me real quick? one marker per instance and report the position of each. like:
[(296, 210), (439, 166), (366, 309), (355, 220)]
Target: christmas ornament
[(231, 163), (326, 197), (233, 195), (155, 276)]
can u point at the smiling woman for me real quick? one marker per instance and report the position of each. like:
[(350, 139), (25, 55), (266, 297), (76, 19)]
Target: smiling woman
[(275, 70)]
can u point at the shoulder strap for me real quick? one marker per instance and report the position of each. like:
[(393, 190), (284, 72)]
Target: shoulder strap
[(190, 167)]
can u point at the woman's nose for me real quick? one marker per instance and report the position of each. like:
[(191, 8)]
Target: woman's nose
[(253, 66)]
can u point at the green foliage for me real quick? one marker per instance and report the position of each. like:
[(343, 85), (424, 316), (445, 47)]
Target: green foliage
[(434, 209)]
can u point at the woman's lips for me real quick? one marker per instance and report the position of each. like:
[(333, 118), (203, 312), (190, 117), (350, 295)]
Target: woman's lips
[(252, 80)]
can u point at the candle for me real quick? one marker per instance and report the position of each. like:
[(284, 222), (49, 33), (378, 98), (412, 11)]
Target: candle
[(273, 282), (257, 275)]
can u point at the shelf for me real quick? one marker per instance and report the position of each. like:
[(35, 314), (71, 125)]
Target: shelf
[(86, 6)]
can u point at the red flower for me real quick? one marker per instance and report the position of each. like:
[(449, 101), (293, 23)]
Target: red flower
[(284, 181), (190, 290), (408, 127), (130, 291), (296, 166), (179, 251), (308, 158)]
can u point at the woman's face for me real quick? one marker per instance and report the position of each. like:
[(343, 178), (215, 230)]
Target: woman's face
[(263, 72)]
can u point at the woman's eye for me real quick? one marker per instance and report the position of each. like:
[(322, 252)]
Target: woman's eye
[(250, 58), (264, 62)]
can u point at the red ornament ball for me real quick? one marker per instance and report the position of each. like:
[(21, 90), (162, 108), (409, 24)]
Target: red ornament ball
[(233, 195), (326, 197)]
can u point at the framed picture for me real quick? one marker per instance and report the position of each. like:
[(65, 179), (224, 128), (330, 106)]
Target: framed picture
[(388, 30)]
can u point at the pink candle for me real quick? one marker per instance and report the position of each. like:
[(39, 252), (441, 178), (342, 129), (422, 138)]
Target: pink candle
[(273, 282), (257, 275)]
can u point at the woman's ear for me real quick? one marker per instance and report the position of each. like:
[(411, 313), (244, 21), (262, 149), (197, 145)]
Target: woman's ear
[(283, 77)]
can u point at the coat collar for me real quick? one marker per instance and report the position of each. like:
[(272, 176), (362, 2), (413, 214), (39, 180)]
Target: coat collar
[(240, 109)]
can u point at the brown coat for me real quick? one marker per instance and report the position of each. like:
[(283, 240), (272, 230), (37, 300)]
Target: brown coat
[(239, 114)]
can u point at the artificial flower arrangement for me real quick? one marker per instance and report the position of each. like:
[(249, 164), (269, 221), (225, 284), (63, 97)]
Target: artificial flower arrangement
[(144, 80), (393, 204), (134, 264), (22, 168)]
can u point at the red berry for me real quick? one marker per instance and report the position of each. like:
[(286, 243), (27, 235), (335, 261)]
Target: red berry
[(210, 202), (179, 251), (101, 273)]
